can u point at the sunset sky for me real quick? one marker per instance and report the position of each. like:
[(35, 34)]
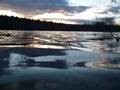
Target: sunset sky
[(63, 11)]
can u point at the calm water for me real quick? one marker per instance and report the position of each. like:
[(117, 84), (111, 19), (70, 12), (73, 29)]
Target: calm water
[(38, 60)]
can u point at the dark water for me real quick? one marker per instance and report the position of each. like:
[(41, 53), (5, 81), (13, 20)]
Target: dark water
[(59, 60)]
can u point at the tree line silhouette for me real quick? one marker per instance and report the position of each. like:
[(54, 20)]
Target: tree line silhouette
[(24, 24), (15, 23)]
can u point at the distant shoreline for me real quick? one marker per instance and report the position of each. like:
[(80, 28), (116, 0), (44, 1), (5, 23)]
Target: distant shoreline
[(23, 24), (88, 28)]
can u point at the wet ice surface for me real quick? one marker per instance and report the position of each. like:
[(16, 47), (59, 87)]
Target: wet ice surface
[(59, 60)]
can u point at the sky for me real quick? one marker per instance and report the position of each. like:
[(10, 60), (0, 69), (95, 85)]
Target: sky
[(61, 11)]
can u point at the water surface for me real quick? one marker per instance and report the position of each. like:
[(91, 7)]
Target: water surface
[(58, 60)]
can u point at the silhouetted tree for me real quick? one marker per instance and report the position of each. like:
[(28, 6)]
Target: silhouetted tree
[(104, 21), (113, 1), (108, 20)]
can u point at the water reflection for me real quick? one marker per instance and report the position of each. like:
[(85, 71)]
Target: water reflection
[(59, 60), (106, 44), (32, 85), (22, 60)]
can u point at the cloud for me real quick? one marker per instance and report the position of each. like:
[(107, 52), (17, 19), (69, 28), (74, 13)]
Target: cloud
[(34, 7), (114, 9), (108, 11)]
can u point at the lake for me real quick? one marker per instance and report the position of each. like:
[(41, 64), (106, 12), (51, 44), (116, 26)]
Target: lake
[(59, 60)]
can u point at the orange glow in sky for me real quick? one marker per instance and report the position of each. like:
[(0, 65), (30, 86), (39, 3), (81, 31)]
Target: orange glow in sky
[(10, 13)]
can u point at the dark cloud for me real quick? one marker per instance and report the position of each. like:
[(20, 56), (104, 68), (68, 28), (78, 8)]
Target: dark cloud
[(34, 7), (110, 9), (115, 9), (75, 21), (82, 21)]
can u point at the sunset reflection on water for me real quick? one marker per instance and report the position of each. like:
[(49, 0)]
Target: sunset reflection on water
[(59, 60)]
